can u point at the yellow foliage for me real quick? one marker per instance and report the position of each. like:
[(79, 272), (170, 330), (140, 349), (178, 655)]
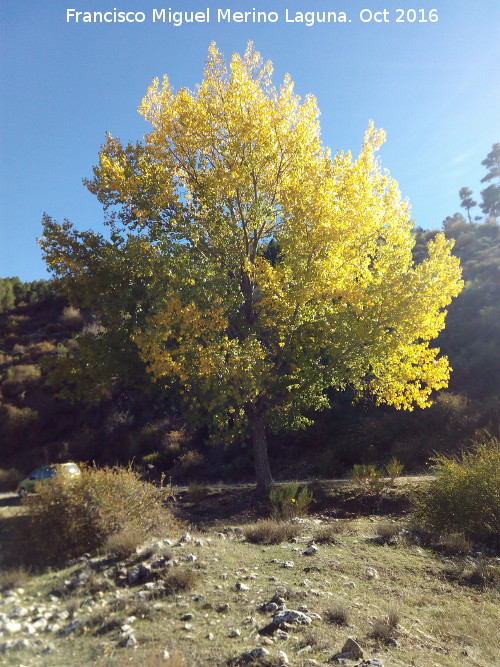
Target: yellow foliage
[(228, 170)]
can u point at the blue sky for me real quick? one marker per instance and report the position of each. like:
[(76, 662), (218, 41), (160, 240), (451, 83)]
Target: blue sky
[(433, 86)]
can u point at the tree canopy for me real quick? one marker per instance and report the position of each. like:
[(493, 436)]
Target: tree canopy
[(251, 269)]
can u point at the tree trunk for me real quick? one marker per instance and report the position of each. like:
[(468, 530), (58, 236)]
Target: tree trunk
[(260, 457)]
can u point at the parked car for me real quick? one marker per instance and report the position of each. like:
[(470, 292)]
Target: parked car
[(44, 474)]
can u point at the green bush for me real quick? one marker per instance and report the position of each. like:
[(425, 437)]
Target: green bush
[(367, 476), (69, 517), (394, 469), (288, 500), (465, 496)]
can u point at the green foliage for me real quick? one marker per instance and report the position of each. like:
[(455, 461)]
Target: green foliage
[(367, 476), (14, 292), (465, 496), (80, 515), (394, 468), (288, 500)]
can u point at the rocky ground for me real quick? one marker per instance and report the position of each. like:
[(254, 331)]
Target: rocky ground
[(339, 590)]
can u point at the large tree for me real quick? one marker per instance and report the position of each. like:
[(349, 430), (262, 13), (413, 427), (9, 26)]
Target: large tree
[(265, 270)]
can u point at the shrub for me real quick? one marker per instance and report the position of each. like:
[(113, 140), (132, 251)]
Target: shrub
[(270, 532), (122, 544), (20, 378), (464, 497), (454, 544), (72, 319), (197, 492), (338, 614), (386, 531), (483, 575), (287, 501), (367, 476), (13, 578), (386, 628), (327, 534), (179, 580), (71, 516), (394, 469)]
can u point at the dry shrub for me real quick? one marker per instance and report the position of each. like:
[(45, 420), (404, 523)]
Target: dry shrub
[(72, 319), (44, 347), (386, 532), (270, 532), (122, 544), (20, 378), (327, 534), (14, 577), (367, 477), (483, 575), (71, 516), (197, 492), (179, 580), (454, 544), (386, 628), (338, 614)]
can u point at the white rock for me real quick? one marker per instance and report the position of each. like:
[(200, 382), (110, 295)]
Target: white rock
[(283, 658), (235, 633), (258, 652), (311, 549), (241, 586), (372, 573), (12, 626)]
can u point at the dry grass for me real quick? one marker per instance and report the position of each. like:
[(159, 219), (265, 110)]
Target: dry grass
[(179, 580), (386, 531), (122, 544), (270, 532), (327, 534), (386, 628), (454, 544), (338, 614), (15, 577)]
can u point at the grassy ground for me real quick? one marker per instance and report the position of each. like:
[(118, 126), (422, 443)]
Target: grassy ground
[(419, 607)]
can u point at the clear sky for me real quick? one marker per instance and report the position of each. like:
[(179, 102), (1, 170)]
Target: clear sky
[(434, 86)]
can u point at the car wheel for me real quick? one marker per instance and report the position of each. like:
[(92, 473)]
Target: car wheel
[(22, 493)]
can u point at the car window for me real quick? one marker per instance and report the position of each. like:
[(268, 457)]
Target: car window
[(49, 472), (37, 473)]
